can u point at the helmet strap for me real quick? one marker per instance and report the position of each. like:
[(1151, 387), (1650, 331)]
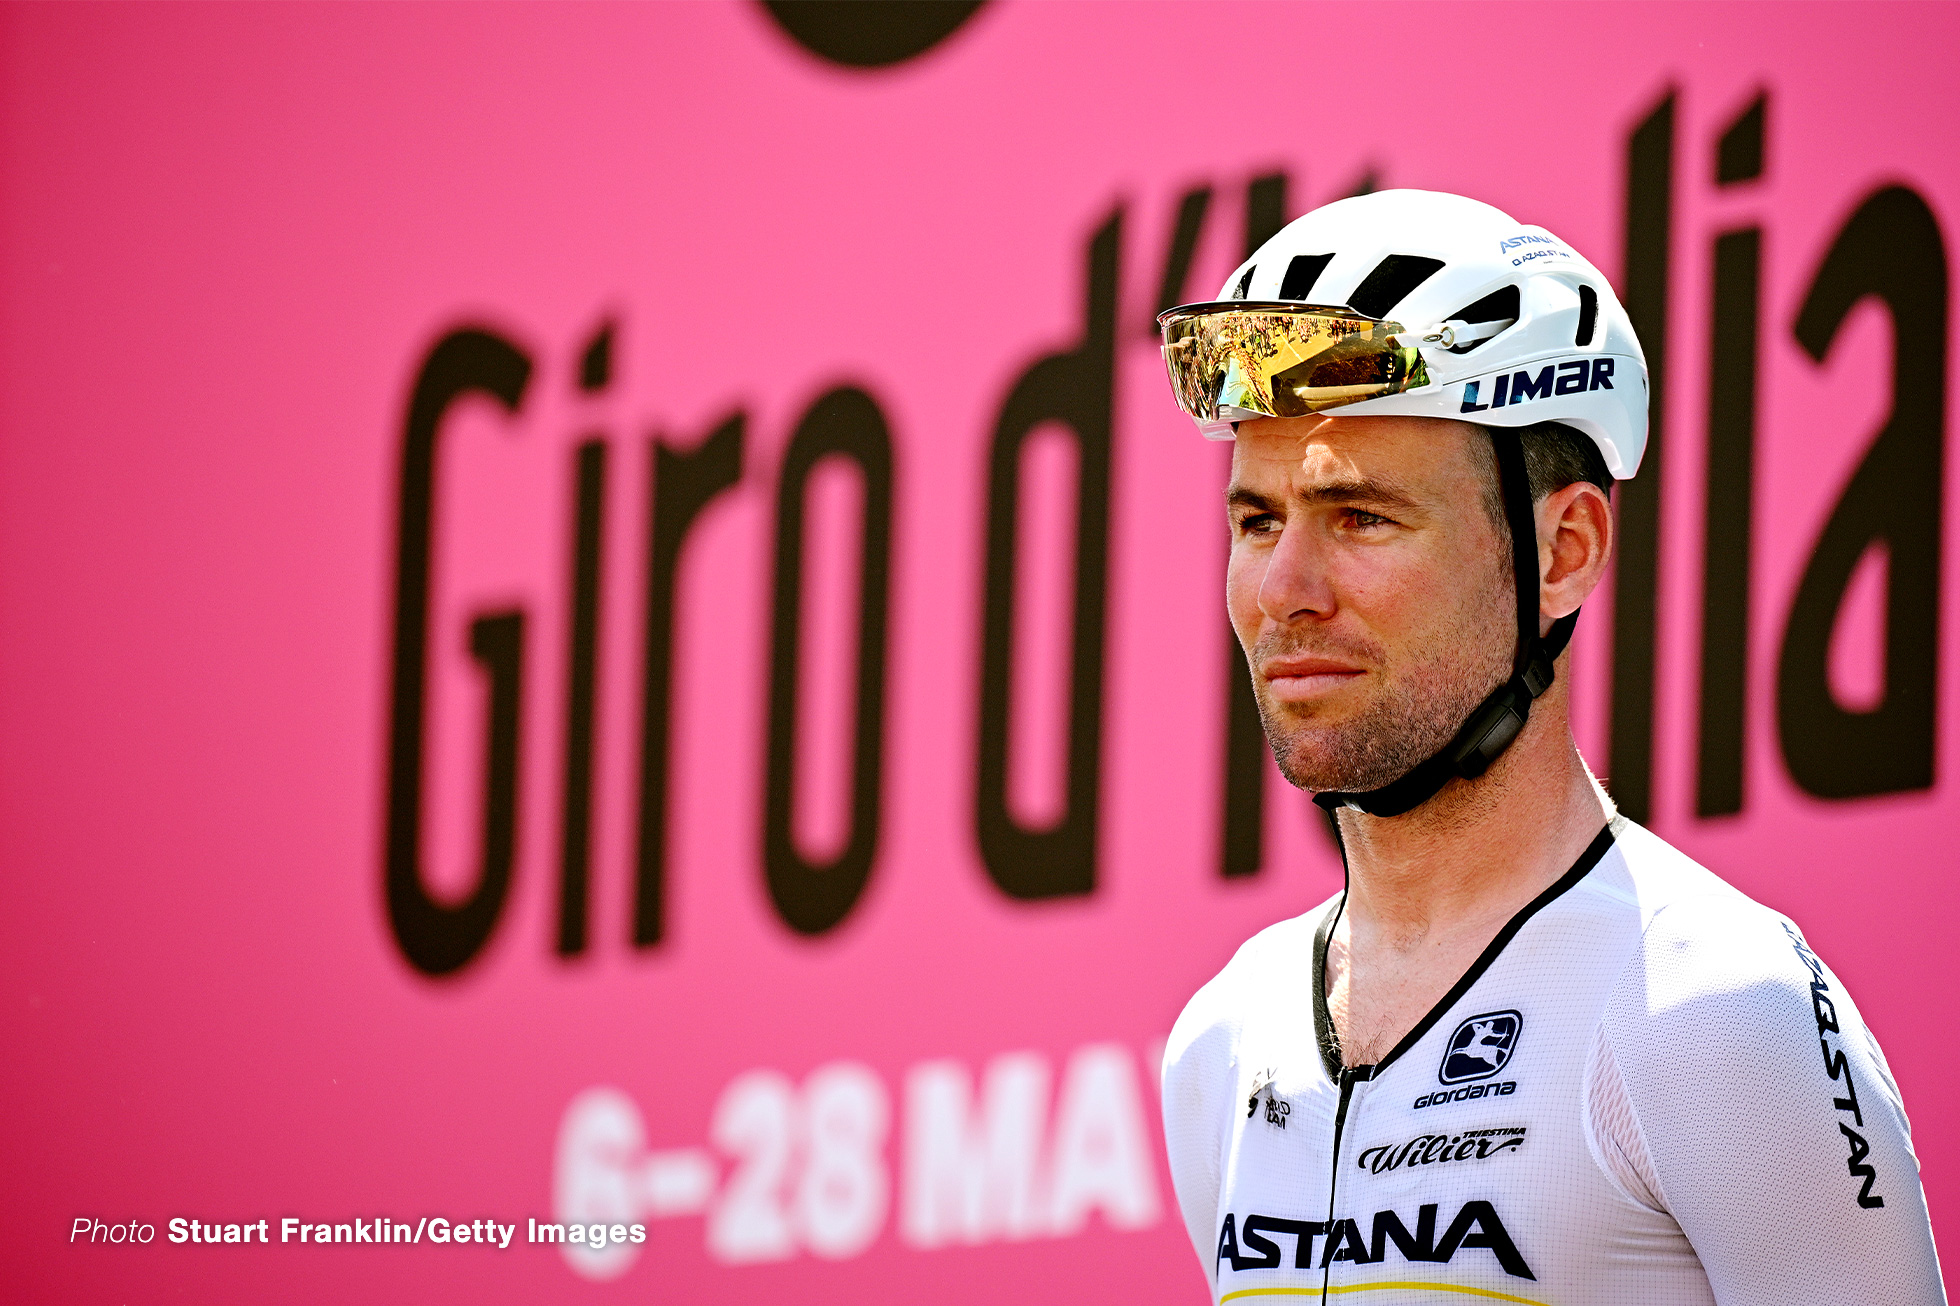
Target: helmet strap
[(1501, 717)]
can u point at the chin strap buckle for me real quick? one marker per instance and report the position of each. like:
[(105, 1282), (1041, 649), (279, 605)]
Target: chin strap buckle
[(1490, 729), (1536, 673), (1502, 716)]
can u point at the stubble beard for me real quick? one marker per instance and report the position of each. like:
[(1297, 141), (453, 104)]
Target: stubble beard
[(1423, 699)]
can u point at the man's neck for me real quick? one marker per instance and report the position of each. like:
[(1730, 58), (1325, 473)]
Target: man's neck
[(1502, 838), (1428, 890)]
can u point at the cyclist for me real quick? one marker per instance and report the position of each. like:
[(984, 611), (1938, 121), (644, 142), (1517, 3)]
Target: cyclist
[(1531, 1053)]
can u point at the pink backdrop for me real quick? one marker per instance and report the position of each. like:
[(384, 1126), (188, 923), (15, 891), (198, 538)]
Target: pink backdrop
[(232, 238)]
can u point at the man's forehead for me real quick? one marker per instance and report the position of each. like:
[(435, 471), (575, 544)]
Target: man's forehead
[(1418, 455)]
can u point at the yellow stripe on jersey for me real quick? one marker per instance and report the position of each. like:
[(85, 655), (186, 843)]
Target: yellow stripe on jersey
[(1333, 1289)]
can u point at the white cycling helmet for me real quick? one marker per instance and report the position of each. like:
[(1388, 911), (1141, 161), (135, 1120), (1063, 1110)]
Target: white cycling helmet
[(1417, 303), (1421, 304)]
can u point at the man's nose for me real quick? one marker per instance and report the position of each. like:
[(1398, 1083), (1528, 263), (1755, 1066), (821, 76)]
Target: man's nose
[(1297, 584)]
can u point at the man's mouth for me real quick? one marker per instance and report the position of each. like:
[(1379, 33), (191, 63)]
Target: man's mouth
[(1302, 679)]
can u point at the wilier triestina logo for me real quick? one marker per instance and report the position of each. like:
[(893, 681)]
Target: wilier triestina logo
[(1481, 1046)]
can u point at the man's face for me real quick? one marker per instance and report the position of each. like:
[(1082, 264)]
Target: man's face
[(1369, 588)]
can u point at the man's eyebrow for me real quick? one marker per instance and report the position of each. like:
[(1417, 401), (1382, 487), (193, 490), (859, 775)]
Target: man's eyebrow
[(1243, 496), (1384, 494), (1380, 493)]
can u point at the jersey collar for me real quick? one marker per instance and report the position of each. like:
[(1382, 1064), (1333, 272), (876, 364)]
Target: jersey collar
[(1327, 1038)]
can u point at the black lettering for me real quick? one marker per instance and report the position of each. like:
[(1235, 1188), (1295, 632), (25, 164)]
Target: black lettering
[(1498, 388), (1344, 1243), (1419, 1246), (1383, 1159), (1730, 491), (1805, 955), (812, 898), (1191, 211), (1849, 1102), (870, 38), (1470, 404), (438, 939), (581, 659), (1572, 377), (1074, 388), (1477, 1225), (595, 361), (1251, 1239), (1823, 1008), (1228, 1242), (1602, 374), (1739, 154), (684, 483), (497, 642), (1891, 249), (1265, 209), (581, 682), (1243, 843), (1861, 1170), (1242, 846), (1525, 386), (1648, 258), (1303, 1231)]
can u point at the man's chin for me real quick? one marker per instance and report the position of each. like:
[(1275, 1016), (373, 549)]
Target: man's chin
[(1355, 749), (1332, 769)]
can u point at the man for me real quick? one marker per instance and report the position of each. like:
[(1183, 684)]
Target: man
[(1531, 1053)]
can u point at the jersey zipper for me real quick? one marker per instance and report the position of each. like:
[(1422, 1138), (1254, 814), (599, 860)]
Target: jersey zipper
[(1328, 1040), (1350, 1076)]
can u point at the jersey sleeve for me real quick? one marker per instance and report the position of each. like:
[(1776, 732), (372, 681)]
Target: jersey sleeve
[(1773, 1131), (1199, 1073)]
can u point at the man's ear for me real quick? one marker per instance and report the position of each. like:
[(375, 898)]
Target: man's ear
[(1575, 542)]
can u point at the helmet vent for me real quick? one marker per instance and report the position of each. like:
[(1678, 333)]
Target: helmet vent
[(1301, 273), (1245, 284), (1499, 305), (1588, 315), (1390, 283)]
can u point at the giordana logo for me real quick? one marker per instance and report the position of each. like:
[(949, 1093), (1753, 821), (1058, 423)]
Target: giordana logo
[(1481, 1046)]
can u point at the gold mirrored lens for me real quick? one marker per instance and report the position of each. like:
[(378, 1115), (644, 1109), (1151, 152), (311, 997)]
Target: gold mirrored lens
[(1282, 361)]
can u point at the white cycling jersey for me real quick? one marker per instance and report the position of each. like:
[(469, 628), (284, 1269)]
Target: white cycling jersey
[(1648, 1089)]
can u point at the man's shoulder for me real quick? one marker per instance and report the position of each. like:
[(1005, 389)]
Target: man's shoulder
[(1268, 962), (1281, 951), (1707, 949), (1672, 891)]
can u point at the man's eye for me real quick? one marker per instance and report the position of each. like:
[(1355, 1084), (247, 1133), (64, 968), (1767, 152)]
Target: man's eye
[(1360, 517), (1258, 523)]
